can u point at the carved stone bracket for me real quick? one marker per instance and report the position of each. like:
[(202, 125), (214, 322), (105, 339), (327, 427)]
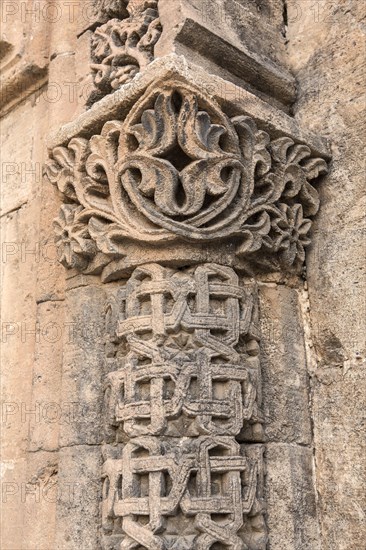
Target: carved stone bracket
[(178, 169)]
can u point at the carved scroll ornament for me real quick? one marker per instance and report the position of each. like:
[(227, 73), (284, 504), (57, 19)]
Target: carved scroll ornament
[(121, 48), (178, 169)]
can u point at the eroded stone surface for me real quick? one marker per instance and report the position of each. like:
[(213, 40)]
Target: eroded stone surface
[(326, 52)]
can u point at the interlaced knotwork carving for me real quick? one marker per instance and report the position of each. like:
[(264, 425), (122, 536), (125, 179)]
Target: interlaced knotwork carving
[(182, 329), (209, 479), (178, 170), (174, 190), (121, 48), (186, 367)]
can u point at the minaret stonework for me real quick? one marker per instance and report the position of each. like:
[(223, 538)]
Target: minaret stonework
[(188, 193)]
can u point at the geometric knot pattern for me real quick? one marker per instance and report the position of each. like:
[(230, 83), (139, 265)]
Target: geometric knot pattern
[(182, 329), (184, 384), (206, 478)]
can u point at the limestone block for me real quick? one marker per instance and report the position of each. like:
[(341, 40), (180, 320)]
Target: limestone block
[(19, 329), (238, 39), (13, 489), (326, 53), (40, 495), (83, 366), (18, 324), (290, 498), (339, 403), (21, 181), (79, 497), (283, 363), (51, 412)]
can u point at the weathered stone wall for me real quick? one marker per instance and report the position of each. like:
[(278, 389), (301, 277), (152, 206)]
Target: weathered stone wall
[(294, 68), (326, 45)]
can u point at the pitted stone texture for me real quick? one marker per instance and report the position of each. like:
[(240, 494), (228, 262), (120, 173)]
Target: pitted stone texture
[(18, 323), (78, 498), (248, 37), (290, 498), (83, 367), (326, 52), (284, 368), (40, 494), (50, 411)]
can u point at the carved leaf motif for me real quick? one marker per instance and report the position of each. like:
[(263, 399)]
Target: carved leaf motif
[(156, 134), (253, 234), (185, 170), (297, 168), (197, 136), (66, 166)]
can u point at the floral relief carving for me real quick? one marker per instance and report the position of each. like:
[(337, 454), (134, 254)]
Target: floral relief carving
[(121, 48), (178, 169)]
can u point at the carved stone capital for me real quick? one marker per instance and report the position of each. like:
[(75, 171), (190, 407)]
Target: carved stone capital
[(181, 170)]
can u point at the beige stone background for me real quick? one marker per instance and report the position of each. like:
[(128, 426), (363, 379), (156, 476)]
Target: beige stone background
[(322, 44)]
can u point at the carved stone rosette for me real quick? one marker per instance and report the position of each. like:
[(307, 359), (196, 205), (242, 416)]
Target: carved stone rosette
[(188, 198)]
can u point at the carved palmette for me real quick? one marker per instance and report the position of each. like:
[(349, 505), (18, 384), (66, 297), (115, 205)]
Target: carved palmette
[(185, 386)]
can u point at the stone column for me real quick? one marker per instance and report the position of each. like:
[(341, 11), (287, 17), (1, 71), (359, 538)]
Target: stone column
[(187, 206)]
